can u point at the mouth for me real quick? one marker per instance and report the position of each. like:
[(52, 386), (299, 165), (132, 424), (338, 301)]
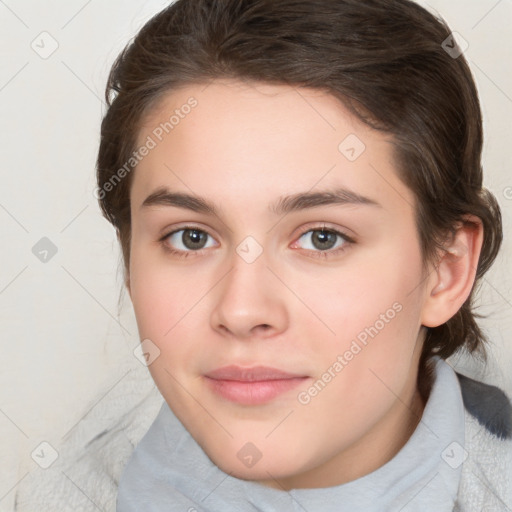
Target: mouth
[(251, 386)]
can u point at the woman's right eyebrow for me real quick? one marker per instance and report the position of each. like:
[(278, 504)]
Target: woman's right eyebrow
[(296, 202), (164, 197)]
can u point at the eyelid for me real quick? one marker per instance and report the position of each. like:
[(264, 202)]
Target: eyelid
[(323, 226), (185, 225)]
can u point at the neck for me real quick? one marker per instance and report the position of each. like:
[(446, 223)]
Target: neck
[(377, 447)]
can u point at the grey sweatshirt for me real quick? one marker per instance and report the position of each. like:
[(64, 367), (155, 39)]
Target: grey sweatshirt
[(99, 452), (168, 471)]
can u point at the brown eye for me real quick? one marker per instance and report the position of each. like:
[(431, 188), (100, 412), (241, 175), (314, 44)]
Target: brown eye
[(193, 239), (322, 240), (188, 239)]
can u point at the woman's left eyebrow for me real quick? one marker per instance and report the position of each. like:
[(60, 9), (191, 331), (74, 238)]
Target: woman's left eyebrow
[(300, 201), (305, 200)]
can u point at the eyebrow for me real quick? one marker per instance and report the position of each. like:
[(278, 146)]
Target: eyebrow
[(296, 202)]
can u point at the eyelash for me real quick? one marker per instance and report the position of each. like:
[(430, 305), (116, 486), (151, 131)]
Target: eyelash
[(317, 254)]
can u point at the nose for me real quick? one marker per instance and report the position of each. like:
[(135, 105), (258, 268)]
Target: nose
[(249, 301)]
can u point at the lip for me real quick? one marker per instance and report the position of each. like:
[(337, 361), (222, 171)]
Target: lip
[(251, 386)]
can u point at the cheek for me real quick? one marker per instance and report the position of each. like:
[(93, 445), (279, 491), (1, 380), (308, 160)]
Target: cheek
[(376, 292), (367, 364), (374, 309), (162, 294), (165, 304)]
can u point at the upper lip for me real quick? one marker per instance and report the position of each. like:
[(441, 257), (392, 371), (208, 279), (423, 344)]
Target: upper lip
[(252, 374)]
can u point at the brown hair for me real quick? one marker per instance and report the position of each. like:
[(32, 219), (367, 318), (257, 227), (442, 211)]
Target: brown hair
[(386, 60)]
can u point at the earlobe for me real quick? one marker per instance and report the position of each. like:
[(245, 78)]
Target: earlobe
[(451, 281)]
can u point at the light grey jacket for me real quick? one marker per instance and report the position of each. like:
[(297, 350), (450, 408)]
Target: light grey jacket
[(486, 481)]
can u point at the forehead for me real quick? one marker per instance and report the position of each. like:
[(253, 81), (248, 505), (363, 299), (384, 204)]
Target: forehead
[(235, 141)]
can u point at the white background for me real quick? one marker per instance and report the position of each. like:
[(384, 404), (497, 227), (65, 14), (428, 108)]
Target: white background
[(63, 342)]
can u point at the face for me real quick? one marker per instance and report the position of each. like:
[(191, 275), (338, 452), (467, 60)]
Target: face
[(275, 269)]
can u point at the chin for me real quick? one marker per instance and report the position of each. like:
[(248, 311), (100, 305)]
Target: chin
[(264, 470)]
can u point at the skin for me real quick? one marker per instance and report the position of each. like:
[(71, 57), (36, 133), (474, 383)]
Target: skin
[(243, 147)]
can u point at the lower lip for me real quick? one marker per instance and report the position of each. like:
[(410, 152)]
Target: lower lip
[(253, 393)]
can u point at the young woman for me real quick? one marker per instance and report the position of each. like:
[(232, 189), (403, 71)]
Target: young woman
[(297, 191)]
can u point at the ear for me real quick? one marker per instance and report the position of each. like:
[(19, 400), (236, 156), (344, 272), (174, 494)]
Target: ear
[(451, 281)]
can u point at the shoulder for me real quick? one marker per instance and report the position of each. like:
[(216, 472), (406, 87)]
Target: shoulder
[(92, 456), (487, 467)]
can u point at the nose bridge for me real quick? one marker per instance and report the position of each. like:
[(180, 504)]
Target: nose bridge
[(247, 296), (249, 276)]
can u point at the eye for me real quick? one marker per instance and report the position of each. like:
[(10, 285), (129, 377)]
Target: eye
[(325, 241), (187, 239), (321, 241)]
